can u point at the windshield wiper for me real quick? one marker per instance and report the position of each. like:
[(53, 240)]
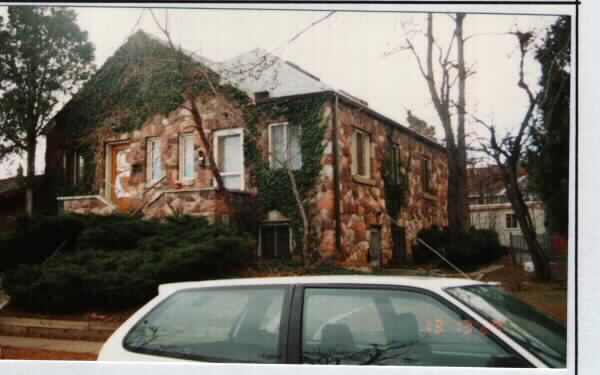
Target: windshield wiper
[(526, 341)]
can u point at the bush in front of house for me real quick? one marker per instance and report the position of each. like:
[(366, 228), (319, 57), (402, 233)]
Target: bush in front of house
[(478, 246), (179, 249), (36, 238), (435, 237)]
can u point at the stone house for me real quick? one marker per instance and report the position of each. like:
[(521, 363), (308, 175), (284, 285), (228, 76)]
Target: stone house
[(266, 117), (489, 207)]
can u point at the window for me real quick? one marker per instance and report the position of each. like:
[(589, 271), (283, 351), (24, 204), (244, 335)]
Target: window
[(284, 146), (80, 168), (186, 156), (154, 163), (74, 167), (426, 174), (361, 154), (374, 253), (392, 327), (511, 221), (275, 240), (229, 154), (396, 164), (221, 325)]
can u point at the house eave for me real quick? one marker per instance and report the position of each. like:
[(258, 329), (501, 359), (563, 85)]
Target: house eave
[(364, 109)]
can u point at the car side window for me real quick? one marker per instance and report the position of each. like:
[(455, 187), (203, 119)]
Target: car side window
[(393, 327), (221, 325)]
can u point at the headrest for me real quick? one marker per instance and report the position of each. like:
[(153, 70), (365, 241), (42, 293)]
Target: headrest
[(336, 337), (405, 328)]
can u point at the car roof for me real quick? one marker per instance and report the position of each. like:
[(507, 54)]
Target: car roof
[(425, 282)]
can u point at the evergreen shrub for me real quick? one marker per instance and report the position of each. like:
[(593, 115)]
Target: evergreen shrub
[(477, 247), (119, 270)]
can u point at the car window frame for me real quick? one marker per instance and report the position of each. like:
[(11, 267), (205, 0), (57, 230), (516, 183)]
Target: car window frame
[(507, 337), (282, 343), (295, 333)]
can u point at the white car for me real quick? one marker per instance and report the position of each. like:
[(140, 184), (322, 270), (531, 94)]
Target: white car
[(352, 320)]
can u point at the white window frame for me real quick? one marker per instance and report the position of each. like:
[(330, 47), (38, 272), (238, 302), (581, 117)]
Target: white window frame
[(427, 174), (513, 220), (79, 168), (396, 164), (225, 133), (182, 155), (286, 126), (150, 157), (366, 151)]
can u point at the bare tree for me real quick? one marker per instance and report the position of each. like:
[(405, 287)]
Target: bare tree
[(507, 152), (453, 72), (285, 159), (189, 72)]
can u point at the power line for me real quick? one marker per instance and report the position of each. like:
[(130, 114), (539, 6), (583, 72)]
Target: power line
[(264, 58), (137, 23)]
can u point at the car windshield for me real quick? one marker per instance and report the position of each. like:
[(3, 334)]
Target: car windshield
[(543, 336)]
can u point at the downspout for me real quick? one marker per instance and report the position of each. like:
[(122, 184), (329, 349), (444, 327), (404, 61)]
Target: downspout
[(336, 178)]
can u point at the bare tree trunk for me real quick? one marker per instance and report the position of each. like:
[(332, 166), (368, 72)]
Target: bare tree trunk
[(540, 261), (31, 149), (455, 143), (305, 225), (207, 146), (186, 71), (460, 178)]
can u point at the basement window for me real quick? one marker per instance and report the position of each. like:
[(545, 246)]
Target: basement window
[(275, 240)]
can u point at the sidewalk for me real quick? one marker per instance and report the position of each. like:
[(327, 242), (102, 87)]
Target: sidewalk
[(72, 346)]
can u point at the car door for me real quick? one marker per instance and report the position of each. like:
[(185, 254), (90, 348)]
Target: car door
[(222, 324), (384, 325)]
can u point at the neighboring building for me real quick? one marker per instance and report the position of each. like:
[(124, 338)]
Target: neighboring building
[(489, 206), (158, 167), (12, 200)]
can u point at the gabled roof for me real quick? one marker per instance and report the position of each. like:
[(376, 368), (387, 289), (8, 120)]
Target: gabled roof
[(256, 71), (259, 71), (487, 180)]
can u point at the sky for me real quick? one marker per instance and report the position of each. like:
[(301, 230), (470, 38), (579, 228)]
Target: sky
[(358, 52)]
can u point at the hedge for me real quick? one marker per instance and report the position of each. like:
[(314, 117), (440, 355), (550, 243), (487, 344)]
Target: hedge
[(476, 247), (118, 262)]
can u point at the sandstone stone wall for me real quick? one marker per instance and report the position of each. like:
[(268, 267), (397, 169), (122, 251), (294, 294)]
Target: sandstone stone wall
[(87, 205), (209, 203), (363, 205)]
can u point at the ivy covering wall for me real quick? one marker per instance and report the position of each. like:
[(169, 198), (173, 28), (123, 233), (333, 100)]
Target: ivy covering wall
[(274, 185), (395, 189), (140, 80)]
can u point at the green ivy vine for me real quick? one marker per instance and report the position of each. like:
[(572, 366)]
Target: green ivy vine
[(395, 191), (140, 80), (273, 185)]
